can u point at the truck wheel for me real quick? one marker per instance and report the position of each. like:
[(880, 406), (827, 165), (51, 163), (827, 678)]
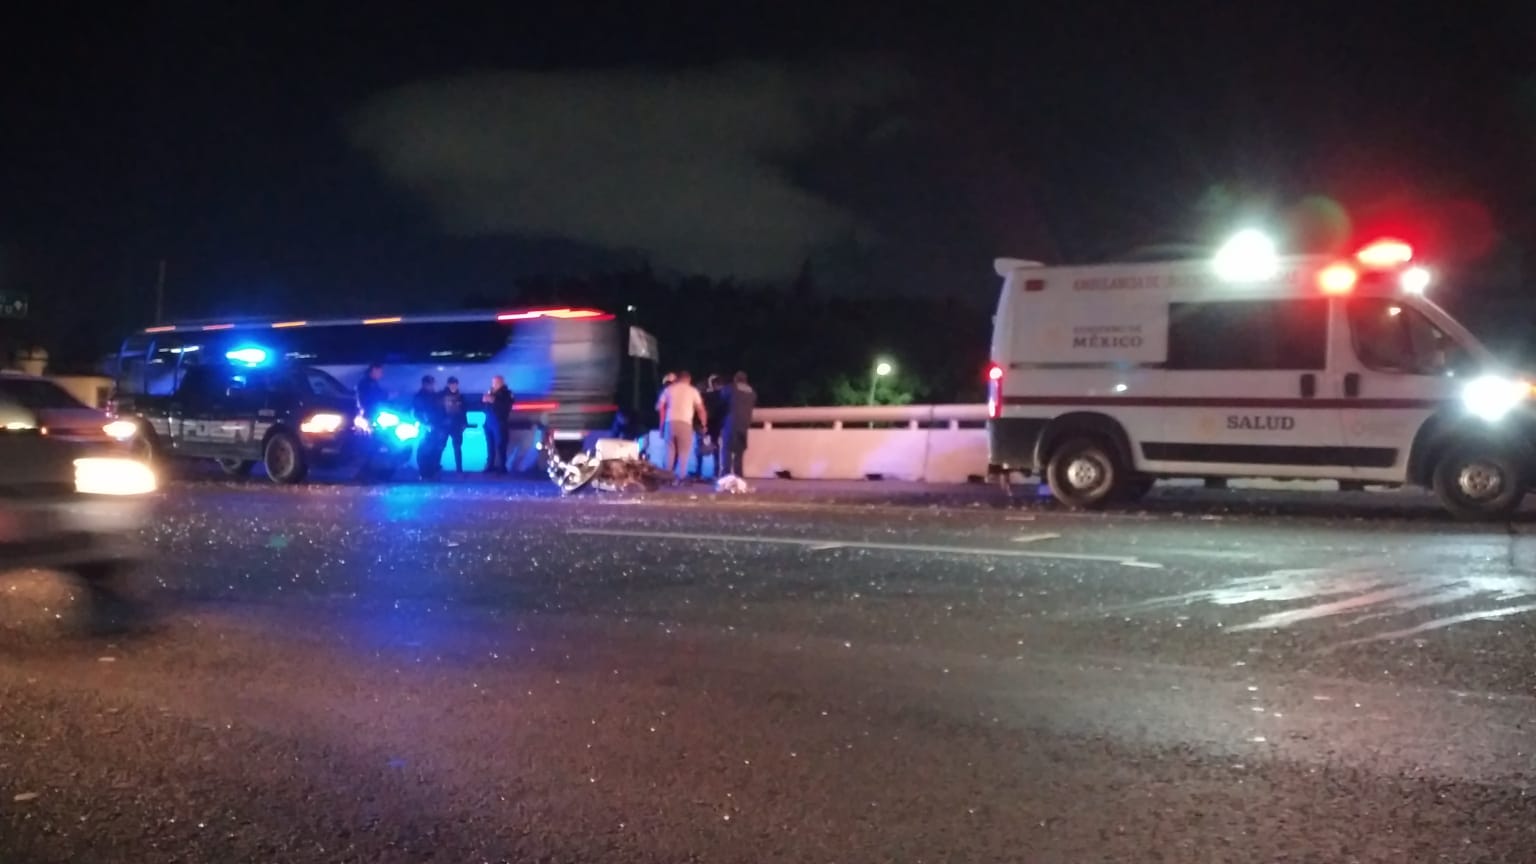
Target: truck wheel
[(1083, 474), (1480, 481), (284, 459), (236, 467)]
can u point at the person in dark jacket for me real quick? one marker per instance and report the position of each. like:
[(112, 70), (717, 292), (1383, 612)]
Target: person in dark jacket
[(498, 420), (455, 421), (371, 394), (427, 406), (709, 433), (740, 400)]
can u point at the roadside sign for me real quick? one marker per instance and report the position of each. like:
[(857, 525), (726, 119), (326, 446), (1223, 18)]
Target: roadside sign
[(13, 304)]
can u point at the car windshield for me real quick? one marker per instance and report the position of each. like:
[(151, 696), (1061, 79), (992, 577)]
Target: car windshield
[(39, 395), (322, 384)]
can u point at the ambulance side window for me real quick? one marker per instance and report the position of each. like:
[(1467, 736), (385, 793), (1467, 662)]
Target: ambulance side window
[(1248, 335), (1393, 337)]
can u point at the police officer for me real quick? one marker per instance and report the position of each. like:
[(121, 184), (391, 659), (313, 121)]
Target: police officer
[(455, 421), (427, 406), (498, 418)]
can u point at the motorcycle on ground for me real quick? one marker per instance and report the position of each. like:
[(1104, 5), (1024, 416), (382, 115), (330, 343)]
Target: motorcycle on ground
[(609, 465)]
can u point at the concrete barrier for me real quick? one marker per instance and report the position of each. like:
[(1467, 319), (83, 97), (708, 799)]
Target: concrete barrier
[(922, 443)]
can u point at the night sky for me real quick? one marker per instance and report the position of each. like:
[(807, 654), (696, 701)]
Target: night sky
[(304, 158)]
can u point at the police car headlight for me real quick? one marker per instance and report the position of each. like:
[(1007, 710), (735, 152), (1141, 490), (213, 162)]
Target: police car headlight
[(361, 424), (322, 424), (121, 430), (113, 477), (407, 431), (1491, 397), (388, 420)]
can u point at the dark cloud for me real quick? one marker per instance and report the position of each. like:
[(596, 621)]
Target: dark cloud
[(692, 168)]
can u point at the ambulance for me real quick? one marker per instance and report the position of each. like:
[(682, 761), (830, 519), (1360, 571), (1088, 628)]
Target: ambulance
[(1106, 378)]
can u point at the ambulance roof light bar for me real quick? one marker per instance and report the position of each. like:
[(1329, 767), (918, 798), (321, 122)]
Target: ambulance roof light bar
[(1384, 253)]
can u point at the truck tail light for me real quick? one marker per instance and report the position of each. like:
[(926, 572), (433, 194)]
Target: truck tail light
[(994, 391)]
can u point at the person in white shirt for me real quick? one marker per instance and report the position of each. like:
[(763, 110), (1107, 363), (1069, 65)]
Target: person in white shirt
[(678, 406)]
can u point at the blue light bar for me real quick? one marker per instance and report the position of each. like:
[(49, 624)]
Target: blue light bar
[(248, 356)]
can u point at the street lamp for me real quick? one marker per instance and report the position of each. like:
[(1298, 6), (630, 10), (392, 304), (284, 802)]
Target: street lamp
[(882, 369)]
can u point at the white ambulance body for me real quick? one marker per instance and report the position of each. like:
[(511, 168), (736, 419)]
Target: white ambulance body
[(1105, 378)]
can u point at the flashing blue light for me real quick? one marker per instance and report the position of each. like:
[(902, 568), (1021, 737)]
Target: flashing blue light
[(388, 419), (248, 356), (407, 431)]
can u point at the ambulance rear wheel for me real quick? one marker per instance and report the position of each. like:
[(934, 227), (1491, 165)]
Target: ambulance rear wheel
[(1084, 474), (1480, 482)]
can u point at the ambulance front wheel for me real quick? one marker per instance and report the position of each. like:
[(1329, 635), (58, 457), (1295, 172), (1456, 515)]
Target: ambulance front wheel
[(1084, 474), (1480, 482)]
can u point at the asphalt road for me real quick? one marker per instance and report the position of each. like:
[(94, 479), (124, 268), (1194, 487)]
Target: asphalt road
[(475, 672)]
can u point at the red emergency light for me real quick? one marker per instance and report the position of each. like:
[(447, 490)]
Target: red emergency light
[(565, 313), (1386, 252), (994, 391)]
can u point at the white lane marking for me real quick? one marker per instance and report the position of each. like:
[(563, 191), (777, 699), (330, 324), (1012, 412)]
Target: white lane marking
[(826, 547), (1034, 538), (1449, 621), (810, 543)]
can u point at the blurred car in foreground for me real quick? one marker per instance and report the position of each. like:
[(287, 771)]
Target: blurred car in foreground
[(59, 412), (68, 505)]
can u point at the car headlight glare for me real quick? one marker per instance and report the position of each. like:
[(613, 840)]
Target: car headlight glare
[(1490, 397), (114, 477), (121, 430), (322, 424)]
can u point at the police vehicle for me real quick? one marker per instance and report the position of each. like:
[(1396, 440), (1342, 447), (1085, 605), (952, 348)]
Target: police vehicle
[(243, 409), (1251, 364)]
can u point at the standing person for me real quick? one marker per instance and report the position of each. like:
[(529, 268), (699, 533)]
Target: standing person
[(679, 404), (709, 432), (498, 417), (455, 421), (427, 406), (370, 393), (740, 400)]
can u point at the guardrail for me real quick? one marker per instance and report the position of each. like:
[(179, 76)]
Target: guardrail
[(926, 443), (913, 416)]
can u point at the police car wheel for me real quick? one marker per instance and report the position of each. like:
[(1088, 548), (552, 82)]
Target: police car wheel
[(284, 459), (1082, 474), (236, 467), (1479, 482)]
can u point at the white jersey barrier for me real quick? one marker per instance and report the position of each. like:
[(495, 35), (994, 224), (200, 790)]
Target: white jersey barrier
[(926, 443)]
